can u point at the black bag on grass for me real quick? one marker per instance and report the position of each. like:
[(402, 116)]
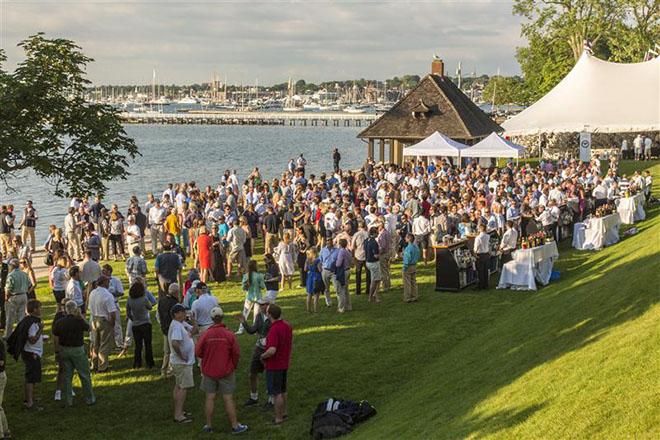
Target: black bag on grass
[(335, 417)]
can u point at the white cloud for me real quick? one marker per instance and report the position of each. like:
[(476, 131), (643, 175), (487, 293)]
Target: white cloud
[(271, 40)]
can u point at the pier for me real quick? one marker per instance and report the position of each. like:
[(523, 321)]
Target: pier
[(337, 119)]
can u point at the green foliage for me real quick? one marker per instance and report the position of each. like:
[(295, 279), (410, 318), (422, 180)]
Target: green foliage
[(48, 128), (636, 31), (620, 30), (505, 90)]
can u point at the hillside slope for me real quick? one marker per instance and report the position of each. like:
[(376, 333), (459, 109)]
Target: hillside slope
[(579, 359)]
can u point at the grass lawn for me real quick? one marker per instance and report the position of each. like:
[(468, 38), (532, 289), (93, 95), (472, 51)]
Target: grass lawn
[(578, 359)]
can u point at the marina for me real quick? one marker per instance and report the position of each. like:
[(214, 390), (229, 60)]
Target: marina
[(330, 119)]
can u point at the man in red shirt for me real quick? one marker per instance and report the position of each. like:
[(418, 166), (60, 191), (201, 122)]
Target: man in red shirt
[(219, 353), (276, 359)]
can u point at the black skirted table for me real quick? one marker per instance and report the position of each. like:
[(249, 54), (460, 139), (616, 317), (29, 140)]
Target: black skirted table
[(454, 264)]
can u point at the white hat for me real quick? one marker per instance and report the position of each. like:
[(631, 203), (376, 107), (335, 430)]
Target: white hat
[(216, 312)]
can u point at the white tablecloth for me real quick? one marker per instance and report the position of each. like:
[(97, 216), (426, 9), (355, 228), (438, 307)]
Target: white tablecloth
[(595, 233), (527, 266), (631, 209)]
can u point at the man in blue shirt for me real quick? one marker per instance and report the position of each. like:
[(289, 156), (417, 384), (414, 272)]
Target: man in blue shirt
[(328, 257), (410, 258)]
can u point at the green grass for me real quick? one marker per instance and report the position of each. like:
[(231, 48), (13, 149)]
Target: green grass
[(578, 359)]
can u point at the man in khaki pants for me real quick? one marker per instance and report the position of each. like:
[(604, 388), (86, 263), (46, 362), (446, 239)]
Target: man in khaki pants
[(102, 309), (385, 246), (410, 258), (72, 236)]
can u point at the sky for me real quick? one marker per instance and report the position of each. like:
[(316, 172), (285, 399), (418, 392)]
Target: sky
[(270, 40)]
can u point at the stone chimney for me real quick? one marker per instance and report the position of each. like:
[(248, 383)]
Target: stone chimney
[(438, 66)]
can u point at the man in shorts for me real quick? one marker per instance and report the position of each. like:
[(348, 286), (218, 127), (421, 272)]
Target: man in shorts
[(182, 358), (219, 351), (260, 327), (372, 256), (276, 360)]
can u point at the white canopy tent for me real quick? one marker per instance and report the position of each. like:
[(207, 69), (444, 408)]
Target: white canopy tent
[(494, 145), (436, 144), (596, 96)]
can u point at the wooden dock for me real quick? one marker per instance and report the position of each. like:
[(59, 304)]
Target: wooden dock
[(337, 119)]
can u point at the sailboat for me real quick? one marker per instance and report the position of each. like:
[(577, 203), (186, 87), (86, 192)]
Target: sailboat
[(289, 103)]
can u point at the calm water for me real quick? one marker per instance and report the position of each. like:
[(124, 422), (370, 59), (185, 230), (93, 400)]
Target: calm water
[(178, 153)]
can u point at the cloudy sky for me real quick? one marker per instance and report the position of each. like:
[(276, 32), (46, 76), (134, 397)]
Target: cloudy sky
[(270, 40)]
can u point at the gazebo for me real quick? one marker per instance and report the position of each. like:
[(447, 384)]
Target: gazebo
[(435, 104)]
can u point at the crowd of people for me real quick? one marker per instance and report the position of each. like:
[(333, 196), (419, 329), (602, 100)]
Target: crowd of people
[(339, 231)]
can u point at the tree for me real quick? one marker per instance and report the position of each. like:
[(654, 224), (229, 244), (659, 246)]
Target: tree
[(620, 30), (47, 126), (504, 90), (568, 21), (637, 31)]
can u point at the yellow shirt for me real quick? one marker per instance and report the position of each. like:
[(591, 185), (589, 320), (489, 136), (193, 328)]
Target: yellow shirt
[(172, 224)]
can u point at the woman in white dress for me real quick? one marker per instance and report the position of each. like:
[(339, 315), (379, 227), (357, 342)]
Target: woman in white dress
[(285, 252)]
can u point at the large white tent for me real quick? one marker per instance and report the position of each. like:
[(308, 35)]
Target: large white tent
[(436, 144), (596, 96), (494, 146)]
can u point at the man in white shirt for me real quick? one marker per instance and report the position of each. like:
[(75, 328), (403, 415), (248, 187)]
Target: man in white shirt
[(482, 251), (72, 235), (421, 229), (509, 242), (201, 308), (647, 147), (182, 358), (133, 234), (638, 145), (236, 237), (600, 194), (624, 149), (156, 218), (73, 290), (102, 308), (117, 290), (330, 220)]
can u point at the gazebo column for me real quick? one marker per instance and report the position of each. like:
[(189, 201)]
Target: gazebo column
[(370, 149), (381, 147), (392, 152), (398, 159)]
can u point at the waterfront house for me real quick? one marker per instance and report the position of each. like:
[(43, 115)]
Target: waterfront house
[(435, 104)]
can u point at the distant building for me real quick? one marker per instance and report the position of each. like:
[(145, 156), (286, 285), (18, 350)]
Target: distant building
[(435, 104)]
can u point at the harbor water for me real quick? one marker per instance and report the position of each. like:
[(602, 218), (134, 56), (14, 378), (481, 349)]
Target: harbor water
[(182, 153)]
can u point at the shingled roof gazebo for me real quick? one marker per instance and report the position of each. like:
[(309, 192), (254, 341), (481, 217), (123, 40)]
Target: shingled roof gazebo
[(435, 104)]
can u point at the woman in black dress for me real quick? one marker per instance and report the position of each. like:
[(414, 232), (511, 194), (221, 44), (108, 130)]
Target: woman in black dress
[(218, 268)]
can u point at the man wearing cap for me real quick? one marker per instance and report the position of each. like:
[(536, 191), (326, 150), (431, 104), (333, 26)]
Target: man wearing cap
[(182, 358), (219, 352), (102, 308), (16, 288), (260, 326)]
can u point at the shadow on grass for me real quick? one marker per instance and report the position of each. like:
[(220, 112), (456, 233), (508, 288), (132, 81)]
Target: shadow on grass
[(598, 293)]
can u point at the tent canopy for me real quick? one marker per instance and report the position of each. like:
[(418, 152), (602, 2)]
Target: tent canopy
[(494, 146), (596, 96), (436, 144)]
